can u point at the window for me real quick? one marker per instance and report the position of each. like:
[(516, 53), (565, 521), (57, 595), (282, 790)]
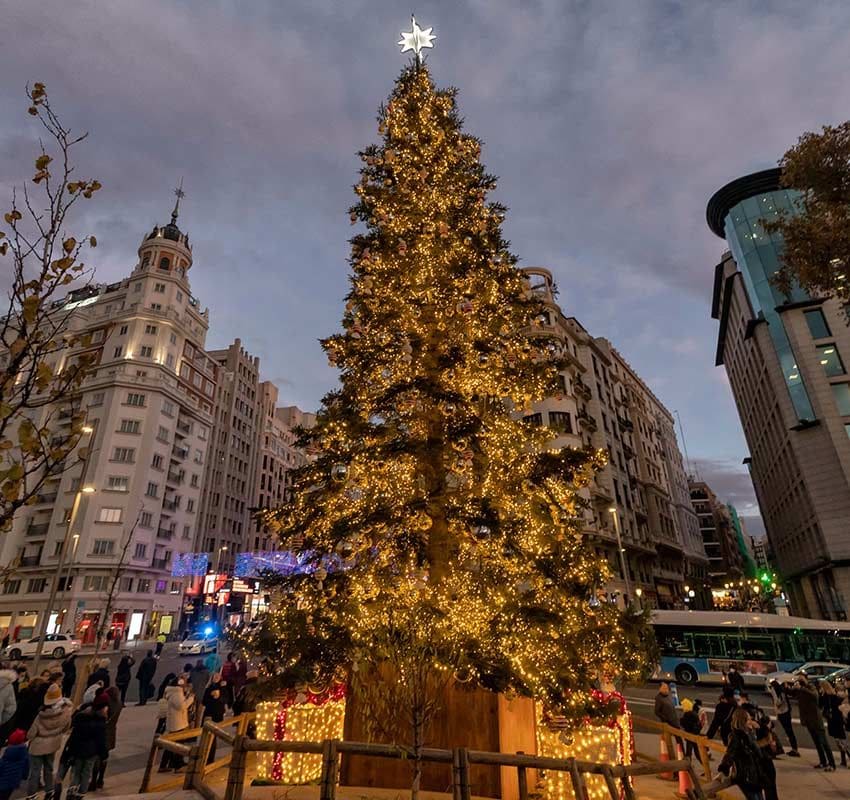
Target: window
[(168, 408), (130, 426), (818, 326), (156, 462), (164, 263), (159, 288), (126, 584), (122, 331), (169, 360), (173, 338), (36, 585), (194, 481), (146, 260), (117, 353), (156, 307), (103, 547), (535, 420), (144, 586), (146, 352), (152, 490), (12, 587), (202, 432), (95, 583), (187, 531), (137, 287), (141, 550), (179, 296), (560, 421), (117, 483), (145, 519), (830, 360), (124, 455), (150, 329), (190, 506), (175, 587), (162, 433), (841, 394), (199, 457), (161, 587), (110, 515), (135, 399), (96, 399)]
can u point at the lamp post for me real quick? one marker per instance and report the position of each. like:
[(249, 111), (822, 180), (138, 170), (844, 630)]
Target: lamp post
[(623, 564), (639, 594), (82, 489)]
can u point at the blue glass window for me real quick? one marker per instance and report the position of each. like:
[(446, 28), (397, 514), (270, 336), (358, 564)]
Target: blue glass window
[(817, 324), (841, 393), (830, 360)]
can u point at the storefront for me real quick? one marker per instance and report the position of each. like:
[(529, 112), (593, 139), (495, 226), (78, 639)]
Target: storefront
[(24, 626), (86, 628)]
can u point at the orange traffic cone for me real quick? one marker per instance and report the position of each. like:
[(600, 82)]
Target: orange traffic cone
[(684, 778), (664, 756)]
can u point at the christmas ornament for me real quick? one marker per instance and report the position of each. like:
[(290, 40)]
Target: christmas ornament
[(339, 472), (416, 39)]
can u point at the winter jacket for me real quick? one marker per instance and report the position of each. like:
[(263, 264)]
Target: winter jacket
[(834, 717), (14, 767), (781, 704), (691, 722), (30, 701), (745, 756), (722, 720), (115, 706), (199, 679), (88, 735), (100, 674), (214, 706), (51, 724), (8, 703), (735, 680), (146, 669), (665, 710), (246, 700), (123, 674), (177, 714), (807, 702)]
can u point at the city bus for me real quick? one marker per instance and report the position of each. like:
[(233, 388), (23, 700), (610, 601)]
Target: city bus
[(702, 645)]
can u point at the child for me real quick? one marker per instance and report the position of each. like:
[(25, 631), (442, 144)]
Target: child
[(691, 723), (14, 763)]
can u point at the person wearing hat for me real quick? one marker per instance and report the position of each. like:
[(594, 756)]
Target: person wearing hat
[(93, 691), (45, 738), (14, 763), (115, 706), (85, 745), (100, 674)]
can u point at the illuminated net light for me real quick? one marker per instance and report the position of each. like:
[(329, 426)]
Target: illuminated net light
[(299, 717), (610, 743)]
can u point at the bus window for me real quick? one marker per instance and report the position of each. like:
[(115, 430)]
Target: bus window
[(813, 646), (709, 645), (674, 642), (838, 649), (758, 647), (733, 646), (785, 648)]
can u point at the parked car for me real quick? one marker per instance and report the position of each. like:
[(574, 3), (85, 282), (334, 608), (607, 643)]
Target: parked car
[(197, 644), (56, 645), (814, 670)]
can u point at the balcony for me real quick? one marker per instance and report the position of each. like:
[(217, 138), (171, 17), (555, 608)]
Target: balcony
[(175, 477), (184, 428), (163, 533), (581, 388), (587, 421), (160, 563), (627, 451), (38, 529), (179, 453), (625, 424), (30, 561), (171, 505), (45, 499)]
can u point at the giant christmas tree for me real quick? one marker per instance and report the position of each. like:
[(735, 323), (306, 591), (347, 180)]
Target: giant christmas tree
[(433, 518)]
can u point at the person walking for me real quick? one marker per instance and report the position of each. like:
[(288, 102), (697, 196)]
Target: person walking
[(144, 674), (8, 701), (160, 643), (228, 676), (123, 674), (830, 704), (178, 698), (199, 680), (85, 745), (69, 672), (722, 719), (734, 679), (812, 720), (14, 763), (45, 738), (782, 709), (743, 759), (691, 723), (214, 709), (113, 695)]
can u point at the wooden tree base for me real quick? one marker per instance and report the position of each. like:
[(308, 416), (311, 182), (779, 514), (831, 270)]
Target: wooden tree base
[(472, 718)]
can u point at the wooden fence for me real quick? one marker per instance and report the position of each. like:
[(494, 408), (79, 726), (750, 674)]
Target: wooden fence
[(331, 750)]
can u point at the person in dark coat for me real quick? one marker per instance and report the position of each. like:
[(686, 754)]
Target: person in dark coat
[(665, 711), (830, 704), (123, 674), (85, 745), (30, 701), (14, 764), (734, 679), (113, 696), (69, 671), (691, 723), (811, 719), (144, 674), (722, 719), (100, 674), (744, 754), (214, 708), (199, 679), (246, 701)]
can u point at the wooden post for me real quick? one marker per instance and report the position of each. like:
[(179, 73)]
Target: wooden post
[(456, 773), (146, 778), (610, 782), (522, 780), (579, 789), (697, 788), (330, 765), (704, 759), (192, 768), (204, 747), (236, 773), (465, 786), (628, 789)]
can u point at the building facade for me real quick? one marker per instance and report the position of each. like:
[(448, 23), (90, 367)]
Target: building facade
[(126, 512), (638, 515), (785, 358), (719, 537)]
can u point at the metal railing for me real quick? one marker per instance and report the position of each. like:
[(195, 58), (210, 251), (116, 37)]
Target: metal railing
[(459, 758)]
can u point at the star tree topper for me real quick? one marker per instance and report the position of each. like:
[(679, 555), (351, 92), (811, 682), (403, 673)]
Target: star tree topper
[(416, 39)]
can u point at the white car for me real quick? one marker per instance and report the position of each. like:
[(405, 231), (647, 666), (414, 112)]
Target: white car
[(813, 669), (56, 645), (197, 644)]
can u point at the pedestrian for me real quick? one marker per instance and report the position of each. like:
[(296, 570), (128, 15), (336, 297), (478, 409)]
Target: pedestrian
[(199, 680), (830, 704), (691, 723), (101, 673), (734, 679), (93, 691), (213, 703), (69, 672), (144, 674), (30, 701), (122, 675), (5, 643), (722, 719), (45, 738), (179, 698), (743, 759), (8, 702), (812, 720), (246, 701), (228, 675), (14, 763), (665, 711), (85, 745), (160, 643), (113, 695)]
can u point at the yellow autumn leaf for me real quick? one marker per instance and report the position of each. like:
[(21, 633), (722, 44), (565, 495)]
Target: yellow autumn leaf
[(29, 308), (69, 244), (42, 161), (92, 241)]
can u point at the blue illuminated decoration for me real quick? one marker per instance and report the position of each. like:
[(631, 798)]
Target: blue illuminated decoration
[(283, 562), (189, 565)]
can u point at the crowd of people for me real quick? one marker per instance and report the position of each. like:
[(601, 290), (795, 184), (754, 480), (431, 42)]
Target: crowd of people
[(751, 738)]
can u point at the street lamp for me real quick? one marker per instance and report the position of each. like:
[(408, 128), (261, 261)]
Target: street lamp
[(639, 594), (623, 566)]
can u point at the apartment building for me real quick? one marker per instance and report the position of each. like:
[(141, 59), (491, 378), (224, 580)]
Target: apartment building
[(638, 516), (129, 508), (719, 536)]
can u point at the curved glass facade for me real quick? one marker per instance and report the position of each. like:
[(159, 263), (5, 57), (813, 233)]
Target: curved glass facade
[(758, 256)]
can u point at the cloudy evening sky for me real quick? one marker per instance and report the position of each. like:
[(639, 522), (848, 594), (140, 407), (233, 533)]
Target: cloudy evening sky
[(609, 123)]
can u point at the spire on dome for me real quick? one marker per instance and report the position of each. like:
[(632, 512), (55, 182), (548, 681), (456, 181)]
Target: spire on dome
[(180, 195)]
